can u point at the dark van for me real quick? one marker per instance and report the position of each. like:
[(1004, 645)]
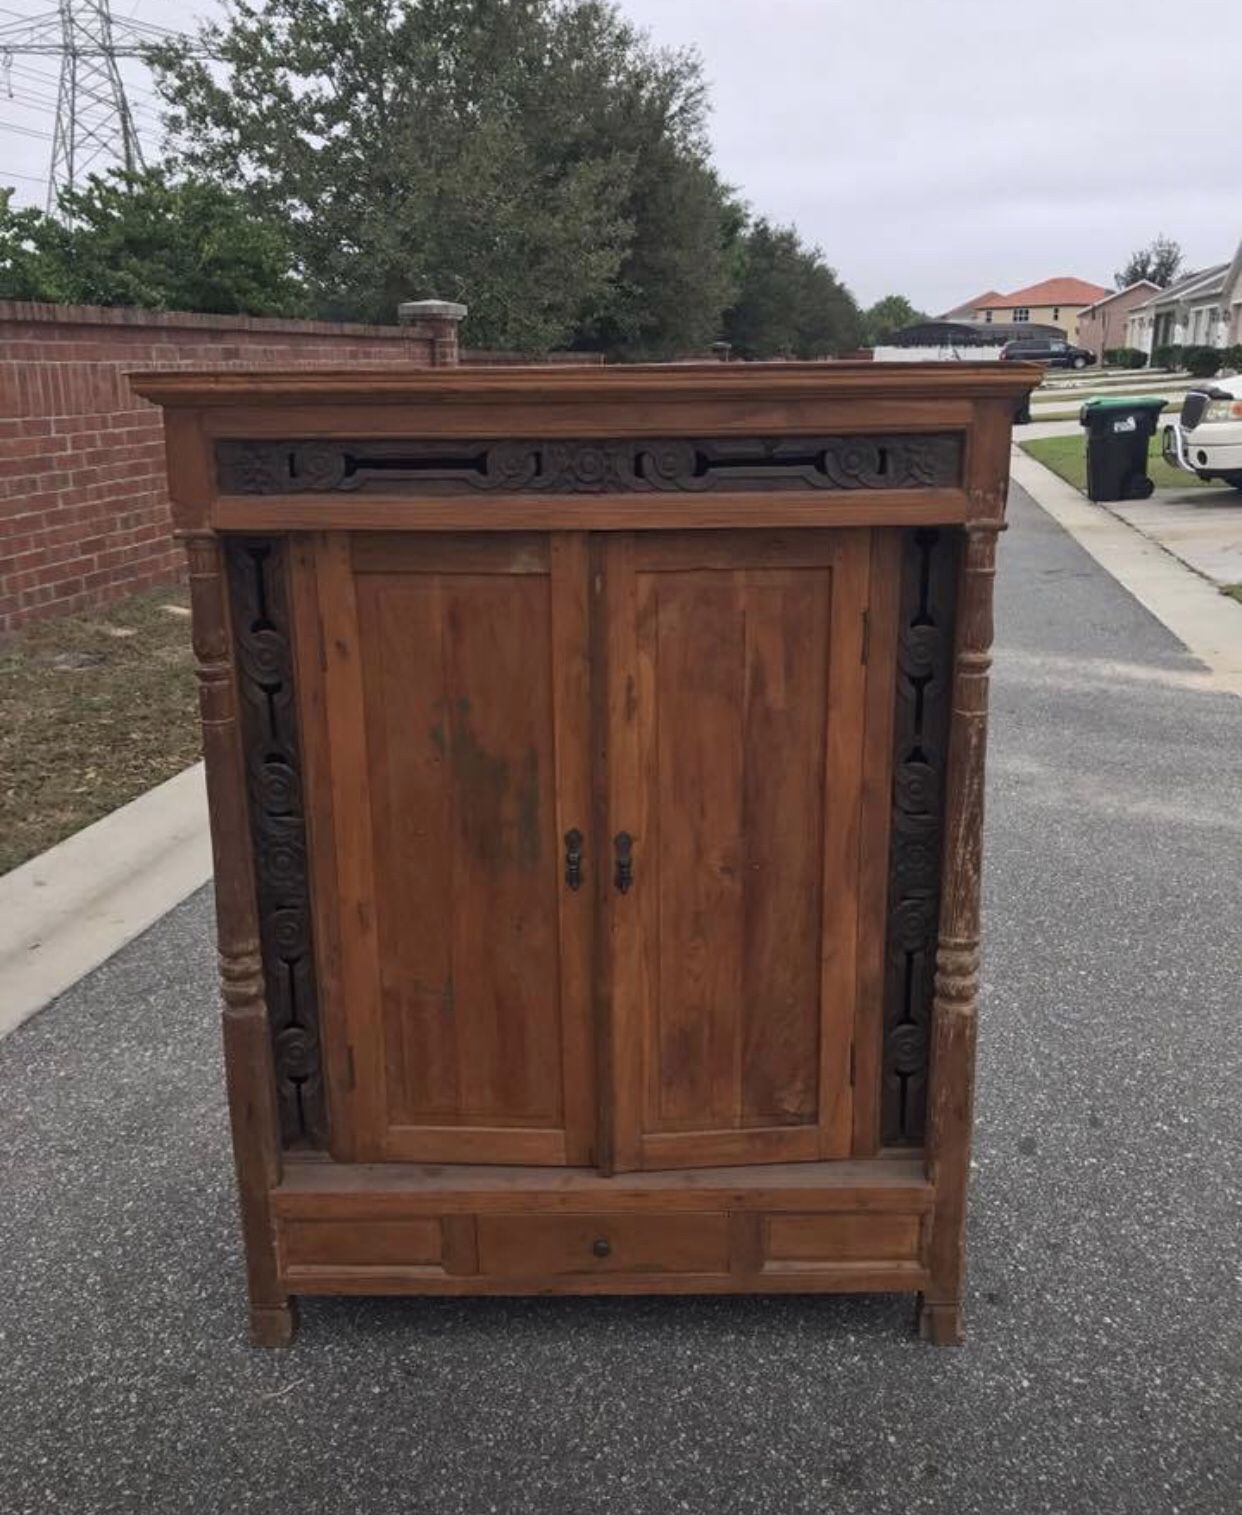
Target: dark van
[(1046, 350)]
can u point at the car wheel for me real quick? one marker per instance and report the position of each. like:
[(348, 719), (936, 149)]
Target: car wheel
[(1080, 362)]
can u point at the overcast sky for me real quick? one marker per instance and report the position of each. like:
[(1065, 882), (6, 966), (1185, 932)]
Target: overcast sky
[(933, 148)]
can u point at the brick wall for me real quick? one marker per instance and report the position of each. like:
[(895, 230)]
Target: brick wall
[(84, 515)]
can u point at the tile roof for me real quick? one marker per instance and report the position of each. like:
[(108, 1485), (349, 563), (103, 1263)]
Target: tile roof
[(1060, 291), (985, 298)]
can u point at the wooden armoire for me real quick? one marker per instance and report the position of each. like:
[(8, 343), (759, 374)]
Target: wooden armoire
[(595, 760)]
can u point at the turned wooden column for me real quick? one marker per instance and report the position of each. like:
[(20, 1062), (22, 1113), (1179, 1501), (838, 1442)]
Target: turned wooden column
[(954, 1007), (247, 1041)]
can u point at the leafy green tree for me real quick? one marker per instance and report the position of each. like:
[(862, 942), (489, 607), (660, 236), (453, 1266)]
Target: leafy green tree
[(32, 258), (790, 303), (887, 316), (145, 239), (534, 158), (1160, 261)]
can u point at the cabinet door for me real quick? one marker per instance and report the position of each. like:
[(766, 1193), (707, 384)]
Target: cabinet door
[(735, 758), (456, 741)]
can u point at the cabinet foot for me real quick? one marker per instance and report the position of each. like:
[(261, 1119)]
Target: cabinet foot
[(940, 1323), (273, 1325)]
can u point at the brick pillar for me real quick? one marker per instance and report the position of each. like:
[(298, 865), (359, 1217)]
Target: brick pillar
[(443, 317)]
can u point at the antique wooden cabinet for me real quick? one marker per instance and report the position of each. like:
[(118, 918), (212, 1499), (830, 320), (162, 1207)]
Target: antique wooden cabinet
[(596, 770)]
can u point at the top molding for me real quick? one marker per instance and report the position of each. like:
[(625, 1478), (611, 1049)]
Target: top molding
[(588, 383)]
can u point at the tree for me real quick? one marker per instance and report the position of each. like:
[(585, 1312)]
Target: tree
[(888, 315), (145, 239), (535, 158), (1160, 262), (790, 303), (32, 261)]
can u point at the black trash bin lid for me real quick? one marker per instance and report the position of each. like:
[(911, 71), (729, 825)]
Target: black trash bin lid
[(1127, 402), (1116, 408)]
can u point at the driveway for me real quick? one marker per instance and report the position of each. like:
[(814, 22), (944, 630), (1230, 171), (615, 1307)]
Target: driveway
[(1105, 1341), (1201, 525)]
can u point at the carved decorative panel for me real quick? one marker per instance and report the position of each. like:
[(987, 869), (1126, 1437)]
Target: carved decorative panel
[(911, 461), (921, 726), (260, 613)]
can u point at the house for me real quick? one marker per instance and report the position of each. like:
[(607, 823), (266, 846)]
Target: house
[(1202, 309), (966, 311), (1054, 302), (1102, 324), (1231, 301), (1186, 314)]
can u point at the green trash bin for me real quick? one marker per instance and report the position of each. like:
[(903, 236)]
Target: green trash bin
[(1119, 429)]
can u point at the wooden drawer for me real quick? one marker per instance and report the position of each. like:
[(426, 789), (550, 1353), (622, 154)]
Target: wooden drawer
[(515, 1246), (417, 1242), (801, 1243)]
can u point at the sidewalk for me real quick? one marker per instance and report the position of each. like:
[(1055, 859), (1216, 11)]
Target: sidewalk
[(69, 909)]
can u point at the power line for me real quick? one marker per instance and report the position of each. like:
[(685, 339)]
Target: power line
[(33, 99), (38, 76), (25, 131)]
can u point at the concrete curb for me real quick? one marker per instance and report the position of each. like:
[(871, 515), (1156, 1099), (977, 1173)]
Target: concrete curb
[(69, 909), (1206, 622)]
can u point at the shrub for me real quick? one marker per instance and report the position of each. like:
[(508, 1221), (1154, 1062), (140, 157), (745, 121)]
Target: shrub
[(1125, 357), (1232, 357), (1168, 356), (1202, 362)]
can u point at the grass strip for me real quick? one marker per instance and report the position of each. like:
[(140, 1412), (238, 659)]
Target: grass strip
[(94, 710)]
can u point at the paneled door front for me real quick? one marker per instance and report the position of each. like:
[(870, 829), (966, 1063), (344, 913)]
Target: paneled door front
[(736, 747), (455, 707)]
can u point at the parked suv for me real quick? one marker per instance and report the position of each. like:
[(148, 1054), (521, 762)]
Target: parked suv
[(1046, 350)]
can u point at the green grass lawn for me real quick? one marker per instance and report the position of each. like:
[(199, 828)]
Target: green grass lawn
[(94, 709), (1068, 457)]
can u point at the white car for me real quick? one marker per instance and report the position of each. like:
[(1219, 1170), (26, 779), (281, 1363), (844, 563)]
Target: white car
[(1206, 439)]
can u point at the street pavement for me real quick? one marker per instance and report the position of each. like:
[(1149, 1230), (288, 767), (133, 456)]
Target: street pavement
[(1104, 1357)]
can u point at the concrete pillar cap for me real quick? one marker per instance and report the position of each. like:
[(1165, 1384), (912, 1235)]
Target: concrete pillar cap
[(425, 310)]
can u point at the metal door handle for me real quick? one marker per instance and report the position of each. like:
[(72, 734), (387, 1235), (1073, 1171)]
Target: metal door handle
[(623, 843), (573, 858)]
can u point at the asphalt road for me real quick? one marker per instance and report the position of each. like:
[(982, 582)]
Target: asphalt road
[(1103, 1371)]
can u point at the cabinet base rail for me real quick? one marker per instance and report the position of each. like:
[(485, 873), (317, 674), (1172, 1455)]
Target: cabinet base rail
[(406, 1229)]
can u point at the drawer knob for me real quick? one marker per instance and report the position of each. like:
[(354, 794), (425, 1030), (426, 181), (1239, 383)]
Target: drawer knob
[(602, 1247)]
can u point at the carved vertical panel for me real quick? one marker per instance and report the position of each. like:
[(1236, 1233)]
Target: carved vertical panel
[(247, 1045), (920, 735), (259, 601)]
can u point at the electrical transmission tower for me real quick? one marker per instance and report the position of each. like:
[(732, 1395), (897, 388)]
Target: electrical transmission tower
[(94, 121)]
